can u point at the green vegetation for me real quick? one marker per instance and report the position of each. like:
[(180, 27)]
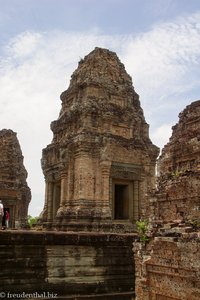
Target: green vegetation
[(142, 228), (32, 220)]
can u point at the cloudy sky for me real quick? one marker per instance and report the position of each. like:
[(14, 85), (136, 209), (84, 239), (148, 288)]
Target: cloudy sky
[(41, 42)]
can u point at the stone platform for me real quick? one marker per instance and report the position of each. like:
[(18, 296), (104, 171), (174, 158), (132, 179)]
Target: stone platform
[(68, 265)]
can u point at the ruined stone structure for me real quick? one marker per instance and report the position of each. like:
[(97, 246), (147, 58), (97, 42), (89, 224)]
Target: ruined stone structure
[(179, 187), (14, 191), (63, 265), (168, 268), (101, 163), (99, 172)]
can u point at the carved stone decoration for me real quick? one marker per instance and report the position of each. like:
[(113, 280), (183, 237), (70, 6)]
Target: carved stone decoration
[(100, 132), (14, 191)]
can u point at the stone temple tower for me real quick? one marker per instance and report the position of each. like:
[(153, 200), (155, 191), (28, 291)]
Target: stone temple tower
[(14, 191), (100, 165)]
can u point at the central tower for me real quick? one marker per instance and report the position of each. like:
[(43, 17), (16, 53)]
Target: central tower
[(100, 165)]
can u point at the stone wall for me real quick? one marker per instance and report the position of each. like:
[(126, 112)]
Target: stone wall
[(169, 268), (67, 264)]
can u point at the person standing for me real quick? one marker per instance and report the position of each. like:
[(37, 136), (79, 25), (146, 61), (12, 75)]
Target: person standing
[(1, 214), (7, 219)]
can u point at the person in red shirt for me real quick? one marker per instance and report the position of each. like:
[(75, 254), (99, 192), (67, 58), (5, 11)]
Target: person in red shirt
[(1, 214), (7, 219)]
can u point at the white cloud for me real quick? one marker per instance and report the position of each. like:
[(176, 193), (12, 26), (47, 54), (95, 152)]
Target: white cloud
[(24, 44), (36, 68), (164, 55), (160, 136)]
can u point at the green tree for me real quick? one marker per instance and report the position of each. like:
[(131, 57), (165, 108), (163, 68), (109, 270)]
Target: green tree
[(32, 220)]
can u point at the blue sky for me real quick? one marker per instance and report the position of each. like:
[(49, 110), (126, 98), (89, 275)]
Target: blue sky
[(43, 40)]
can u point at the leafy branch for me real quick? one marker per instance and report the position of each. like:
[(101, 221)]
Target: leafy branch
[(142, 228)]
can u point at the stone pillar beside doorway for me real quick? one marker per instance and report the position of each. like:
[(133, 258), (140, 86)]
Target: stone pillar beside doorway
[(50, 201)]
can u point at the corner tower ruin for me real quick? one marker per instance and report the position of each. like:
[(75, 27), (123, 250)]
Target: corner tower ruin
[(100, 165), (14, 191), (168, 267), (179, 164)]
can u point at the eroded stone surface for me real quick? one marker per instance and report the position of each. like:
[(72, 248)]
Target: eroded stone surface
[(168, 267), (179, 188), (14, 191), (101, 153)]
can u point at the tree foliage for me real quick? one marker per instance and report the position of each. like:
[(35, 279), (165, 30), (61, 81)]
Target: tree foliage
[(32, 220)]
